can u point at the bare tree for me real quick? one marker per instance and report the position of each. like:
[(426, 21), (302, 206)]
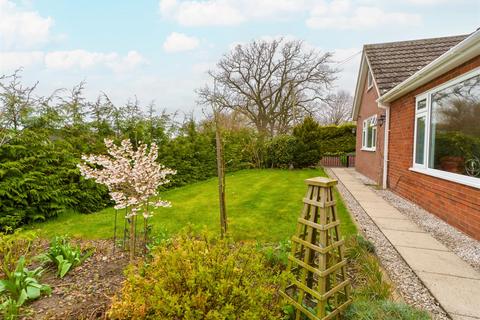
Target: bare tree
[(336, 109), (272, 83)]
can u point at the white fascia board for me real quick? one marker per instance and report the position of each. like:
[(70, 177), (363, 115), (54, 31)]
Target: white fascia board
[(361, 79), (357, 98)]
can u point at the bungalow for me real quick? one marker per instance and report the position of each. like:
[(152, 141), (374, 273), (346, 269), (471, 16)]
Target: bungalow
[(417, 108)]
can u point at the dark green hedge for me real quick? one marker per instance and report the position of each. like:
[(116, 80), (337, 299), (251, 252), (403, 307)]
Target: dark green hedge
[(39, 178), (337, 140)]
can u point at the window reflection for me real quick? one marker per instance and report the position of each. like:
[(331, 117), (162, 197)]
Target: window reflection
[(455, 128)]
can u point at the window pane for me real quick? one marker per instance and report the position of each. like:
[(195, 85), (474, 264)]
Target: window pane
[(422, 104), (369, 137), (420, 140), (455, 129), (374, 137)]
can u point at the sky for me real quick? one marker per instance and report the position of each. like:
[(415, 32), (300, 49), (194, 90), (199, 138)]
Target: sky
[(160, 50)]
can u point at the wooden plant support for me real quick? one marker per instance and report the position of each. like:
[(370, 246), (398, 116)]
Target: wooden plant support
[(319, 288)]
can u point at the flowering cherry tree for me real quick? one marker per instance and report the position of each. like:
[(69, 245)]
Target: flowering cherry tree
[(132, 178)]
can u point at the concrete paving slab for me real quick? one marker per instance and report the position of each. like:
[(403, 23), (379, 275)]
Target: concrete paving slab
[(413, 239), (461, 317), (459, 296), (364, 195), (384, 213), (453, 282), (434, 261), (396, 224)]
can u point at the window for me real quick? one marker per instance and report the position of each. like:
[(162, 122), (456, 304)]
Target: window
[(447, 131), (420, 127), (369, 79), (369, 134)]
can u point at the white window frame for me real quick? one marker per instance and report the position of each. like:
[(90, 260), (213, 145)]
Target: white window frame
[(419, 114), (369, 79), (424, 168), (370, 121)]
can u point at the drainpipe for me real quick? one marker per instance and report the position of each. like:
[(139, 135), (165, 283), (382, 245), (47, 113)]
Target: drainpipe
[(385, 144)]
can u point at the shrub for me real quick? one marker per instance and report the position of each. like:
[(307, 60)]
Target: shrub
[(19, 286), (384, 309), (337, 140), (64, 255), (307, 149), (39, 179), (200, 278), (237, 151), (281, 151)]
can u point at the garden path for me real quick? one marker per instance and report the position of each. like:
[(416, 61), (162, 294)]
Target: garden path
[(454, 283)]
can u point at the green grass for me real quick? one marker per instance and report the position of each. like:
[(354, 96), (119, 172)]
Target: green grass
[(261, 205)]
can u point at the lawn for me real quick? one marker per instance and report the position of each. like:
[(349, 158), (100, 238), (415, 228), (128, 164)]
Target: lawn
[(261, 205)]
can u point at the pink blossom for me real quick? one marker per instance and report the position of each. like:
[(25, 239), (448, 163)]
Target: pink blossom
[(131, 176)]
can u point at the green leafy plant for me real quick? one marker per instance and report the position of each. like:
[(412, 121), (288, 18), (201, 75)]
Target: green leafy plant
[(19, 286), (64, 255), (200, 277)]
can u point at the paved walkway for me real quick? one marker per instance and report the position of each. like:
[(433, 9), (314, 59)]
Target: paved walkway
[(454, 283)]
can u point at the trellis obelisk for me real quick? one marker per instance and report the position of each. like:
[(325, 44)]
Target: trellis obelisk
[(320, 288)]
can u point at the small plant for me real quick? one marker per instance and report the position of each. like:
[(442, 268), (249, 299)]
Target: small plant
[(64, 255), (384, 309), (368, 282), (277, 254), (19, 286), (9, 308), (13, 246)]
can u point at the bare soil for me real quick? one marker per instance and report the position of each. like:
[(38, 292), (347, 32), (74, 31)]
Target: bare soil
[(86, 291)]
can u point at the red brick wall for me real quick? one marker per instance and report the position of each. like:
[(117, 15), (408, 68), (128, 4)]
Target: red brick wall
[(369, 163), (457, 204)]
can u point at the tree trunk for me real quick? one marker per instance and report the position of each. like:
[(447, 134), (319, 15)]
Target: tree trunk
[(132, 238), (221, 178)]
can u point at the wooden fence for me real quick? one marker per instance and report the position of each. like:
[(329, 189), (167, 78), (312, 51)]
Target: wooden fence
[(338, 161)]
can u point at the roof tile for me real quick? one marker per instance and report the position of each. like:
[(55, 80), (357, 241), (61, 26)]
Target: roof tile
[(393, 62)]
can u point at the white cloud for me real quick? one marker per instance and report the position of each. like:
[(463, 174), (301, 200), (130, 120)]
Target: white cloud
[(82, 59), (85, 59), (10, 61), (341, 14), (22, 29), (227, 12), (177, 42), (70, 60), (332, 14), (132, 60)]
